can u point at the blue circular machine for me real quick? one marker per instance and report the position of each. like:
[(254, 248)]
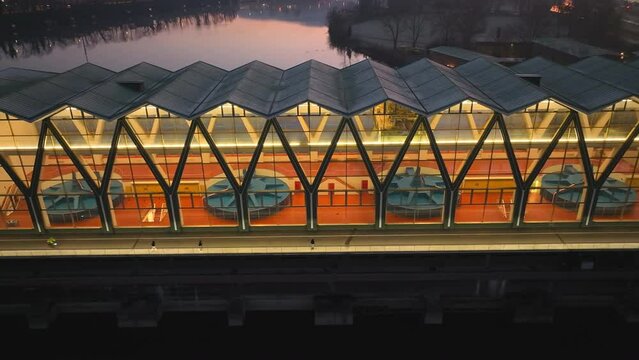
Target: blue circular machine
[(266, 195), (71, 199), (564, 188), (416, 192)]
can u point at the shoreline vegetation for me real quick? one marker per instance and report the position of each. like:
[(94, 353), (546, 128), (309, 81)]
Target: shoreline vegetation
[(398, 32)]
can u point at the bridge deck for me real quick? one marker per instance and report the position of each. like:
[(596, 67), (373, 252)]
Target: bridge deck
[(293, 242)]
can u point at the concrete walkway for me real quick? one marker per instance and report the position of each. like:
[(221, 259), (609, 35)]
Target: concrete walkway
[(324, 242)]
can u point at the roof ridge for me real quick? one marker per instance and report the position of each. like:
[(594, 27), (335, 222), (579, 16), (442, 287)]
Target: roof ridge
[(196, 110), (279, 85), (152, 90), (412, 92), (507, 70), (444, 71), (30, 69), (377, 77)]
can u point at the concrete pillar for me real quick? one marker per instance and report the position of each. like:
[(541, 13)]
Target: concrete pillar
[(236, 312), (139, 313), (333, 311), (41, 314)]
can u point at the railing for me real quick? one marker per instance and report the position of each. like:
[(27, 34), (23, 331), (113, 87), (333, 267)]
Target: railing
[(10, 202), (560, 191)]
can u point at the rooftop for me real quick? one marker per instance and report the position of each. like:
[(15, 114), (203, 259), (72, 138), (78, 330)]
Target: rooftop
[(424, 86), (572, 47)]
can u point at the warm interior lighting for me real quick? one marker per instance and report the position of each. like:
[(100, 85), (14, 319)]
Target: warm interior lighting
[(589, 141)]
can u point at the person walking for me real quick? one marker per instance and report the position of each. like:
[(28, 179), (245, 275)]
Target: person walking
[(153, 247), (312, 244)]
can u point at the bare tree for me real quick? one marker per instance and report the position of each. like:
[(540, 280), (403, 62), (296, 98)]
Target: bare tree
[(416, 23), (535, 18), (471, 15), (445, 20), (394, 24)]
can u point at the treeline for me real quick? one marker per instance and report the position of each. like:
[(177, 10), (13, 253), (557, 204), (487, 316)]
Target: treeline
[(455, 22)]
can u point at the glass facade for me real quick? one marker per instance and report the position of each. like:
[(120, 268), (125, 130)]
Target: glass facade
[(310, 167)]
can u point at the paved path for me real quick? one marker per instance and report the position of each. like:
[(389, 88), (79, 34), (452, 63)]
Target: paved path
[(325, 242)]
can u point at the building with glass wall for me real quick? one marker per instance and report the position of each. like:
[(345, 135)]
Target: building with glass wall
[(422, 146)]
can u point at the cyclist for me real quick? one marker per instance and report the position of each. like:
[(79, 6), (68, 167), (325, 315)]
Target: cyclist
[(52, 242)]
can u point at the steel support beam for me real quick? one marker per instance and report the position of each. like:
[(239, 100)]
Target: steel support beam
[(454, 194), (308, 199), (379, 205), (33, 211), (514, 167), (35, 179), (227, 171), (521, 211), (591, 202), (177, 177), (322, 169), (591, 190), (382, 195), (103, 207), (174, 217), (248, 176), (448, 204)]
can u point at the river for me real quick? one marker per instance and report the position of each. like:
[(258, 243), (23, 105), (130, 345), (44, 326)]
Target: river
[(172, 34)]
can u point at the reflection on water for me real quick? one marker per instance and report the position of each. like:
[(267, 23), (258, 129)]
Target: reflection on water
[(169, 33)]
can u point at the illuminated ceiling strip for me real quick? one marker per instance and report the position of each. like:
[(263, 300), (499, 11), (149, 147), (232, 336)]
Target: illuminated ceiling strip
[(615, 140)]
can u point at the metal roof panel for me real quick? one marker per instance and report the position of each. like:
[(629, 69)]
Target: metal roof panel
[(493, 79), (611, 72), (572, 87)]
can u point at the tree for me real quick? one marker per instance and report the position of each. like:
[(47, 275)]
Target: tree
[(367, 7), (445, 20), (394, 24), (595, 20), (535, 18), (471, 15), (416, 23)]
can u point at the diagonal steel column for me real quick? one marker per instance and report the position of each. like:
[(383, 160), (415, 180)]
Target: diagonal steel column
[(454, 194), (402, 152), (34, 203), (225, 168), (174, 217), (245, 222), (291, 155), (514, 167), (523, 201), (103, 207), (108, 168), (313, 196), (448, 195), (591, 191), (591, 202), (34, 212), (179, 171), (382, 195), (379, 196), (218, 155), (308, 200), (473, 154), (177, 177)]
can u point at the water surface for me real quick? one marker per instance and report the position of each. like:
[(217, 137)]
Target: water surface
[(226, 36)]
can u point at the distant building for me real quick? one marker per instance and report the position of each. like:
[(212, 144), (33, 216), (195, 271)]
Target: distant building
[(630, 23), (454, 56), (566, 50)]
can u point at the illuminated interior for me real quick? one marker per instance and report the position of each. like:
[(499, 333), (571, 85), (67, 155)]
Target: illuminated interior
[(268, 186)]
